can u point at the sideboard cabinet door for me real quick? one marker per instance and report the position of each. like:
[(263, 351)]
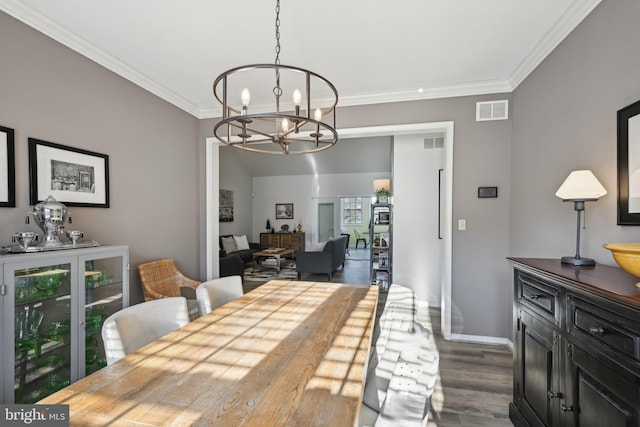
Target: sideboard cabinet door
[(293, 241), (269, 240), (537, 373), (598, 394)]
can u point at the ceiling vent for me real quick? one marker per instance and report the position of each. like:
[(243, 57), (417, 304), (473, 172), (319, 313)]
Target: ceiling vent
[(492, 110)]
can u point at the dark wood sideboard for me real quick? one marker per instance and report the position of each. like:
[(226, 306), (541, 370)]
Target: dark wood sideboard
[(576, 345)]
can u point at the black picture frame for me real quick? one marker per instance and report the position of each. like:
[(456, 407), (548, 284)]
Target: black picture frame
[(629, 165), (62, 172), (284, 210), (225, 206), (7, 168)]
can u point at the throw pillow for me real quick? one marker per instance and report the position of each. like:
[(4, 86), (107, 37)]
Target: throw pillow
[(228, 244), (241, 242), (317, 247)]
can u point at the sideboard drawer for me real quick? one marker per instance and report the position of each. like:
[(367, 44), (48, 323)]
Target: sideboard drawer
[(606, 327), (540, 296)]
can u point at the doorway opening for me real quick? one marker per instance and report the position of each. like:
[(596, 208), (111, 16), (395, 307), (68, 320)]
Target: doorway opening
[(445, 128)]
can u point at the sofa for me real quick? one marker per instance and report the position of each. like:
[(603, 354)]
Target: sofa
[(245, 252), (323, 262), (232, 260), (232, 265)]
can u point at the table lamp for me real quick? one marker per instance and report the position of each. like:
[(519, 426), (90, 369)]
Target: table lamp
[(579, 187)]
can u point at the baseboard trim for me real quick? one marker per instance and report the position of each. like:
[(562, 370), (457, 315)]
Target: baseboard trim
[(478, 339)]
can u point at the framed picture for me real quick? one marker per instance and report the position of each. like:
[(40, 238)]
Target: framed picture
[(7, 169), (629, 165), (284, 210), (226, 206), (384, 217), (72, 176)]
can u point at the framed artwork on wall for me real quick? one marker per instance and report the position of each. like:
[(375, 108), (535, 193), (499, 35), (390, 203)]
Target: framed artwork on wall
[(7, 169), (73, 176), (284, 210), (629, 165), (226, 206)]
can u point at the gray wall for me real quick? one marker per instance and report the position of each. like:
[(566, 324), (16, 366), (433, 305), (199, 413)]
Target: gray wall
[(481, 158), (52, 93), (565, 119), (234, 177), (480, 283)]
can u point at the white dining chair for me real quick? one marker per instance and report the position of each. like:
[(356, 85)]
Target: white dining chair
[(217, 292), (133, 327)]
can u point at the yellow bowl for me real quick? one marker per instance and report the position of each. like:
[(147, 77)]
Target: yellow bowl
[(627, 255)]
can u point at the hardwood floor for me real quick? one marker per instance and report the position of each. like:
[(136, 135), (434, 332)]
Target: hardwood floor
[(474, 385)]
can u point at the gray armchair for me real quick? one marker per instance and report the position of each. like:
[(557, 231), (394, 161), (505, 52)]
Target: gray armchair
[(325, 262)]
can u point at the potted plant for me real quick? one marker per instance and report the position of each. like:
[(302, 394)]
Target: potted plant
[(383, 195)]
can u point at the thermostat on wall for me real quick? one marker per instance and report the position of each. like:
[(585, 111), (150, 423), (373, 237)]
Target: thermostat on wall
[(487, 192)]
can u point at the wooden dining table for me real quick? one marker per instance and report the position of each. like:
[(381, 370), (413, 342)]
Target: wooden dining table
[(288, 353)]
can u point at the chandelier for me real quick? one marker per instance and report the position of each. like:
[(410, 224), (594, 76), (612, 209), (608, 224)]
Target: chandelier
[(295, 111)]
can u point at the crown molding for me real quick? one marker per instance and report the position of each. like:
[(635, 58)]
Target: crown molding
[(577, 11), (36, 20), (574, 15), (450, 91)]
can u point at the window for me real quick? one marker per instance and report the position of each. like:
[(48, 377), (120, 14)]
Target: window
[(352, 210)]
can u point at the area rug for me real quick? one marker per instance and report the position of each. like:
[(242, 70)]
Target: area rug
[(262, 274)]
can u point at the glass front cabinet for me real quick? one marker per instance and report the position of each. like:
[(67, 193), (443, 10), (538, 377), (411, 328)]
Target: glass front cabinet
[(53, 307)]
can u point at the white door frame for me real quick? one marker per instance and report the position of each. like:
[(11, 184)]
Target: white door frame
[(213, 183)]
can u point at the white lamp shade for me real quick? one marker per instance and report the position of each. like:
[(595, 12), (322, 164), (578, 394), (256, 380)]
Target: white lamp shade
[(581, 185), (379, 184)]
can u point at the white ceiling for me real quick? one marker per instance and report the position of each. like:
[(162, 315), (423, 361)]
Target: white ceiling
[(372, 51)]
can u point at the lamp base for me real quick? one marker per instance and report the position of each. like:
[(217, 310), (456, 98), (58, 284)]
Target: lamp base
[(577, 261)]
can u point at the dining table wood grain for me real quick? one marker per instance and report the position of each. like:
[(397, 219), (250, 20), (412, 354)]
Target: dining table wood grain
[(288, 353)]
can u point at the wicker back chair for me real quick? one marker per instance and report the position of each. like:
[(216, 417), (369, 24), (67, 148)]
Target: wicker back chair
[(162, 279)]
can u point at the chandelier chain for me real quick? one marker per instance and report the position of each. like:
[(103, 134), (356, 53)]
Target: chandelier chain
[(277, 45), (278, 32)]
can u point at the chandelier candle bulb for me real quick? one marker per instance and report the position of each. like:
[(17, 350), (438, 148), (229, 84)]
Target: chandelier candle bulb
[(297, 99), (285, 125), (245, 98), (317, 116)]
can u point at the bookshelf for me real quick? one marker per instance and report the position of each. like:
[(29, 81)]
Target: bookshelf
[(381, 245)]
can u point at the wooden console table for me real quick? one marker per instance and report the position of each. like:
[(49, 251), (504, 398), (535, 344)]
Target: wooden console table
[(293, 241), (287, 353)]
